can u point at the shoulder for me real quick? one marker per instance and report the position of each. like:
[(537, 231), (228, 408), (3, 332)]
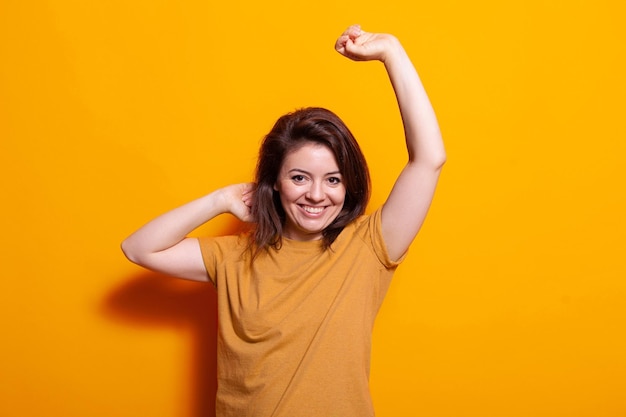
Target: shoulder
[(366, 226), (223, 242), (365, 232), (221, 248)]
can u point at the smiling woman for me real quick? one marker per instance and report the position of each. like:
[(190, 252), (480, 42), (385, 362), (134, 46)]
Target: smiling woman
[(311, 191), (336, 149), (297, 297)]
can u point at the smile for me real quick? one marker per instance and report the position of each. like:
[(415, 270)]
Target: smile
[(312, 210)]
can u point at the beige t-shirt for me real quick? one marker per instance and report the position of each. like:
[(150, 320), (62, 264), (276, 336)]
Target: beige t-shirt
[(295, 325)]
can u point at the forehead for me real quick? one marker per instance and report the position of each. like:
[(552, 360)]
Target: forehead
[(311, 157)]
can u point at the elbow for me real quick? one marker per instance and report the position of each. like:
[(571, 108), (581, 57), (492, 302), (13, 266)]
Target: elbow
[(440, 160), (434, 162), (436, 158), (128, 251)]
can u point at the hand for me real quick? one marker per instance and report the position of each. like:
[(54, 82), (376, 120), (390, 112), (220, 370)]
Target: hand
[(358, 45), (239, 199)]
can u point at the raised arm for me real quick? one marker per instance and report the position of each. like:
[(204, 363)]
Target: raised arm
[(162, 244), (405, 209)]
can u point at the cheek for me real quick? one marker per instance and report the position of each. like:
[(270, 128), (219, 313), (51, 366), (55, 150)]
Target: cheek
[(286, 193), (281, 189), (339, 195)]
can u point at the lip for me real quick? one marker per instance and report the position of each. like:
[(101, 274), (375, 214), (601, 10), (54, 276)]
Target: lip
[(318, 210)]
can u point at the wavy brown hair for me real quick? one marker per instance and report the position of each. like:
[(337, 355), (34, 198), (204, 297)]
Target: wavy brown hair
[(290, 133)]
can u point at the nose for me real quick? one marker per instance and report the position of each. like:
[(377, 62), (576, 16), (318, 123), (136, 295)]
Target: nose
[(315, 192)]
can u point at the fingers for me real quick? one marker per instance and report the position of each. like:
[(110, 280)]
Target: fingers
[(340, 45), (247, 199), (248, 187), (348, 36), (353, 31), (247, 196)]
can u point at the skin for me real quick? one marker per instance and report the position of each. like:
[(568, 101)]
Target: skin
[(162, 245), (406, 207), (311, 191)]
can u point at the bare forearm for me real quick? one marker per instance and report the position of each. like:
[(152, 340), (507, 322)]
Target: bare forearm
[(423, 137), (406, 207), (172, 227)]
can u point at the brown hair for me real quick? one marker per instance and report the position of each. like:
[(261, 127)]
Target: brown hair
[(290, 132)]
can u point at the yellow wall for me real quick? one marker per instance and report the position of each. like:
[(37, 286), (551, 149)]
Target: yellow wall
[(512, 302)]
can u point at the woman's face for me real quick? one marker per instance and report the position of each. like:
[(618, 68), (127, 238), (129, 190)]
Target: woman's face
[(311, 191)]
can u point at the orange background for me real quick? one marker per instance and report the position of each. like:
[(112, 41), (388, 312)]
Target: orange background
[(512, 302)]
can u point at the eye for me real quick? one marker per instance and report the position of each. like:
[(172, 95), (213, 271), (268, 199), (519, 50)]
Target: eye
[(334, 180), (298, 178)]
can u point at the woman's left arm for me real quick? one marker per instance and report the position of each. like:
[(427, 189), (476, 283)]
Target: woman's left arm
[(407, 205)]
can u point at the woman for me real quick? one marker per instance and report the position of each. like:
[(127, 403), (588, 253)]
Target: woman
[(297, 297)]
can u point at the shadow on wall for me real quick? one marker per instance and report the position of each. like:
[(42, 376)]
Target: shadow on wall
[(151, 299)]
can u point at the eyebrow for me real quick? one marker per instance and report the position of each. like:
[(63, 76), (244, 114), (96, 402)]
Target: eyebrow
[(308, 173)]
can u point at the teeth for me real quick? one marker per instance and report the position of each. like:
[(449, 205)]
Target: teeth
[(313, 210)]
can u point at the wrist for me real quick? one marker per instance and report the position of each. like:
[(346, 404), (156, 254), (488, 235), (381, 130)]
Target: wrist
[(393, 51), (219, 202)]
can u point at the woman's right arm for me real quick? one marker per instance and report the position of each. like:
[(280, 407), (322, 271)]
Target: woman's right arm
[(162, 244)]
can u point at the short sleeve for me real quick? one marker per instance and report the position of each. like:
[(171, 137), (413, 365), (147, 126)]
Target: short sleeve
[(216, 251), (378, 242), (209, 248)]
